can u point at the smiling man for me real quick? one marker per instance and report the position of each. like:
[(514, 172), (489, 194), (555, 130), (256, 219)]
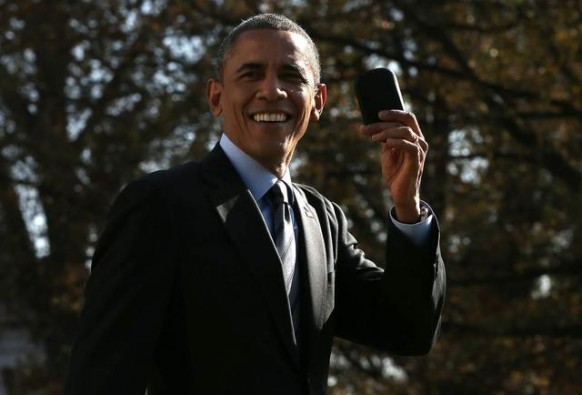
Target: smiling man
[(222, 276), (268, 92)]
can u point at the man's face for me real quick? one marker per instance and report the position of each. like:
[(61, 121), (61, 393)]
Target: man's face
[(267, 95)]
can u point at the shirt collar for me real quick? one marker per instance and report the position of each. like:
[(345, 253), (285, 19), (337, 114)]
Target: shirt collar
[(256, 177)]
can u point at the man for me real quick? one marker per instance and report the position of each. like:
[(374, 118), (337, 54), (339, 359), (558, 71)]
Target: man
[(191, 291)]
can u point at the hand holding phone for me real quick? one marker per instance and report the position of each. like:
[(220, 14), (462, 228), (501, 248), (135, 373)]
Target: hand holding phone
[(377, 90)]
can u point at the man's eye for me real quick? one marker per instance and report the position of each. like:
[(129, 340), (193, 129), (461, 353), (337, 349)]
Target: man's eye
[(250, 75), (293, 77)]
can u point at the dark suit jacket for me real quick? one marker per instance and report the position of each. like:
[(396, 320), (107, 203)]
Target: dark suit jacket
[(186, 293)]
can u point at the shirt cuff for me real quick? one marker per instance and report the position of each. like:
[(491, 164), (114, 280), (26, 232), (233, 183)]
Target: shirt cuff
[(419, 232)]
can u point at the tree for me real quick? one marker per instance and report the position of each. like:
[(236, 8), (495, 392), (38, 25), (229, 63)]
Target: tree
[(497, 90), (92, 95)]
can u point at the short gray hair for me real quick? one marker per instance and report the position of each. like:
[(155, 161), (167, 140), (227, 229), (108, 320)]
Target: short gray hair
[(265, 22)]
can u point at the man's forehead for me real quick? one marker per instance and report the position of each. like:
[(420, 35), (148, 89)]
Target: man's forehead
[(258, 46), (266, 38)]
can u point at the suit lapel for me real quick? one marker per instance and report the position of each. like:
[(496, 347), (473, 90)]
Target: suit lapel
[(248, 232), (315, 281), (315, 257)]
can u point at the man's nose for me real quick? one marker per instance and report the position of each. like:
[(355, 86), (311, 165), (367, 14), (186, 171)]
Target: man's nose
[(271, 89)]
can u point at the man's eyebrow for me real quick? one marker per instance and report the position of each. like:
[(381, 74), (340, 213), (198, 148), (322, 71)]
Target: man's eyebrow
[(250, 66), (287, 67), (294, 67)]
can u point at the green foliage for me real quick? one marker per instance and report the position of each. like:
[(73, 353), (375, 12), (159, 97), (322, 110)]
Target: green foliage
[(92, 94)]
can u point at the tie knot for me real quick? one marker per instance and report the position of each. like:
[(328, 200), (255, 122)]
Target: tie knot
[(279, 193)]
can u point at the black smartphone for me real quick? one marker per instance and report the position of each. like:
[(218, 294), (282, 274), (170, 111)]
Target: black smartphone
[(377, 90)]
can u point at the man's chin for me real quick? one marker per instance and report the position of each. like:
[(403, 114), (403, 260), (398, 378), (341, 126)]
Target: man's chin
[(280, 128)]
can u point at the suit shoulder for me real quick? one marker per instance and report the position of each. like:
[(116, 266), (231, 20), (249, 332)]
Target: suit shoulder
[(167, 177), (158, 186)]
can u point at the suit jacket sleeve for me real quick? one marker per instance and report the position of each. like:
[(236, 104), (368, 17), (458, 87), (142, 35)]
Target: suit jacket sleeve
[(125, 299), (396, 309)]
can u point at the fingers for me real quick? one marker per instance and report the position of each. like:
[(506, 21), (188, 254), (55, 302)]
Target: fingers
[(398, 129), (395, 132)]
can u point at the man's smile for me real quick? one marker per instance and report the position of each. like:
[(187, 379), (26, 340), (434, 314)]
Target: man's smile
[(270, 117)]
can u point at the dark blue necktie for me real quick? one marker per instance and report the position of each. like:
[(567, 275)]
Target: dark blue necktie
[(284, 238)]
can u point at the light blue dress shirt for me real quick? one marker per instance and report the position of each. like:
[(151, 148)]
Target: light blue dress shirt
[(259, 180)]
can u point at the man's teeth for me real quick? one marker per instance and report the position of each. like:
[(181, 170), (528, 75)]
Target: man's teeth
[(265, 117)]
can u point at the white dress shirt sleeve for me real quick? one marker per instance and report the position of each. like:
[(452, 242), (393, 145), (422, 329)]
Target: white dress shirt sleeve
[(419, 232)]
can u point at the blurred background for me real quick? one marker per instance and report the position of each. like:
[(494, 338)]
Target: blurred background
[(96, 93)]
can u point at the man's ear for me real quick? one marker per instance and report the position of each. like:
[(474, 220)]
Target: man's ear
[(320, 99), (213, 94)]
